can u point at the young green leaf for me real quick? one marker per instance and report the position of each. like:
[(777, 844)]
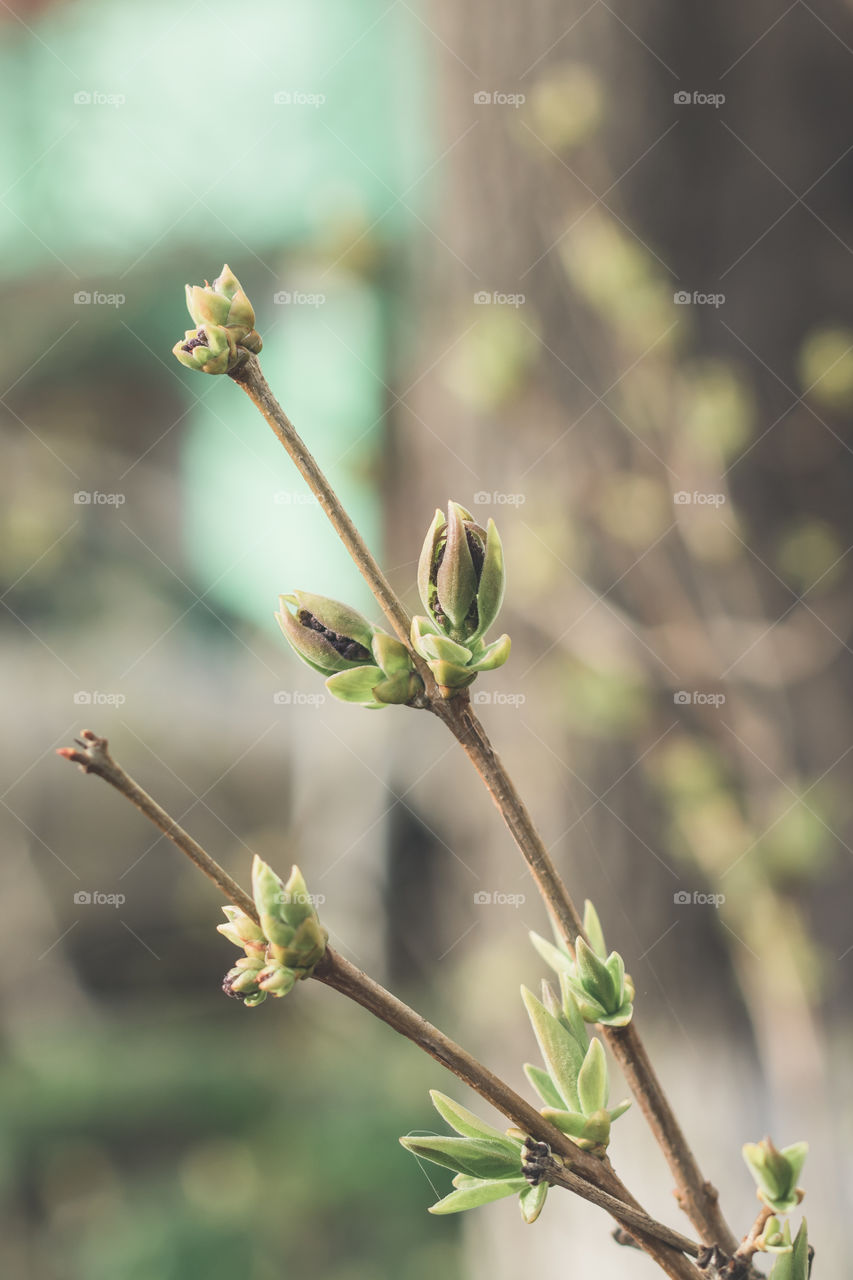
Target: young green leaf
[(595, 977), (478, 1157), (572, 1123), (463, 1120), (619, 1110), (592, 1080), (556, 959), (550, 1001), (531, 1201), (572, 1014), (480, 1192), (796, 1157), (776, 1172), (544, 1086), (615, 966), (562, 1053), (593, 930), (794, 1265)]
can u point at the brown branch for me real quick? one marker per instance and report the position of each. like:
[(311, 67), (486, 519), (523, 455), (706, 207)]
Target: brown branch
[(594, 1179), (248, 375), (92, 755), (697, 1197), (561, 1177)]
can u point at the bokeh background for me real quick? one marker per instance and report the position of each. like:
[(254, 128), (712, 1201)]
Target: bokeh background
[(585, 268)]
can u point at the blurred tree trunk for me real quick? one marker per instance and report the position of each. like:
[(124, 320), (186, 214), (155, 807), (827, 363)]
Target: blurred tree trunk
[(596, 400)]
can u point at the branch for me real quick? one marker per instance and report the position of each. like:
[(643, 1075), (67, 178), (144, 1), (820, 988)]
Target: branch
[(594, 1181), (248, 375), (546, 1168), (93, 757), (697, 1197)]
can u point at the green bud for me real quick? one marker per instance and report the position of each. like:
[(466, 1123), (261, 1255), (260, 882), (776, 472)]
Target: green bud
[(390, 653), (268, 892), (601, 988), (241, 980), (776, 1172), (325, 634), (290, 923), (241, 930), (593, 930), (455, 665), (225, 326), (399, 689), (210, 349), (461, 574), (531, 1201), (595, 977), (592, 1080), (296, 902), (306, 947), (491, 656), (276, 980), (357, 686), (450, 677), (796, 1264), (775, 1238), (255, 998)]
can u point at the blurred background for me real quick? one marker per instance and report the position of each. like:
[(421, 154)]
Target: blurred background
[(584, 268)]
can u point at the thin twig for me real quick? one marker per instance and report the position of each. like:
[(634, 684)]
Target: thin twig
[(594, 1179), (248, 375), (696, 1196), (92, 755), (561, 1177)]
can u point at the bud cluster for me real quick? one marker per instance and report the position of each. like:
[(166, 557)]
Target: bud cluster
[(461, 581), (598, 982), (575, 1086), (284, 948), (362, 663), (225, 326), (776, 1172)]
